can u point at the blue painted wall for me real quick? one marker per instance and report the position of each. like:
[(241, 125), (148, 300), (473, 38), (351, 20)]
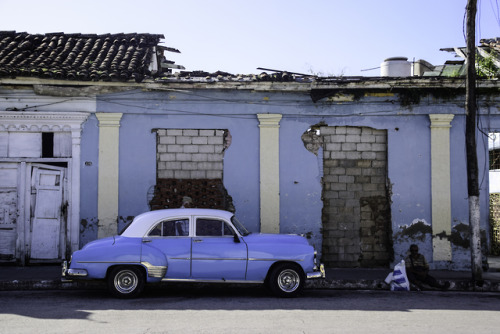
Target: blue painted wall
[(88, 180), (300, 183), (408, 135)]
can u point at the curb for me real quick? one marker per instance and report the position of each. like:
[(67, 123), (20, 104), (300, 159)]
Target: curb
[(320, 284), (17, 285), (455, 285)]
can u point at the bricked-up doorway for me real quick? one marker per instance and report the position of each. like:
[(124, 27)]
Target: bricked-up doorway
[(356, 207), (190, 162)]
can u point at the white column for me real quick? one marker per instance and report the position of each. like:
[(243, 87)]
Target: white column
[(269, 173), (107, 202), (441, 186)]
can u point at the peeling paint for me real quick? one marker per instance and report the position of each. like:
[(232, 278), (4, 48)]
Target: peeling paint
[(84, 223), (442, 235), (88, 230), (312, 141), (460, 235), (377, 94), (340, 98), (123, 222), (417, 230)]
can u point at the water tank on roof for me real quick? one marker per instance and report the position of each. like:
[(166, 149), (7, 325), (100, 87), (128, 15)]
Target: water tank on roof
[(395, 67)]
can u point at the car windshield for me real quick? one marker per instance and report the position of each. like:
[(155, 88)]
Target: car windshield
[(239, 226)]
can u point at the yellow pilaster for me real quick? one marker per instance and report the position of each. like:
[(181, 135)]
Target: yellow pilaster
[(441, 186), (269, 173), (107, 202)]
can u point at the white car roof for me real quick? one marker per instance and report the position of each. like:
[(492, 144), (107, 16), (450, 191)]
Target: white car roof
[(143, 222)]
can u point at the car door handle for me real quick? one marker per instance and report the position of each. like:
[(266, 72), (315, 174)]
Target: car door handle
[(197, 240), (146, 240)]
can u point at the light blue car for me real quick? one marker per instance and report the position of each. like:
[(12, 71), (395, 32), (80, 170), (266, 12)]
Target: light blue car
[(194, 245)]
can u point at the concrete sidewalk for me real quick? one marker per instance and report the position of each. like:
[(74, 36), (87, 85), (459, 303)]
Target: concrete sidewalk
[(48, 277)]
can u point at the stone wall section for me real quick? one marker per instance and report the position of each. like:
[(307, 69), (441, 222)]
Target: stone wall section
[(356, 211), (190, 153), (495, 224), (204, 193)]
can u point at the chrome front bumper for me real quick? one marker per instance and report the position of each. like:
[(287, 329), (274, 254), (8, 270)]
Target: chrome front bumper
[(70, 272), (317, 274)]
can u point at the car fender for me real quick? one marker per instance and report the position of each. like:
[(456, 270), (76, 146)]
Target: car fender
[(98, 256), (155, 261)]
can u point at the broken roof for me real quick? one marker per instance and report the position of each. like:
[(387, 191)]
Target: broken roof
[(139, 57), (84, 57), (489, 47), (492, 43)]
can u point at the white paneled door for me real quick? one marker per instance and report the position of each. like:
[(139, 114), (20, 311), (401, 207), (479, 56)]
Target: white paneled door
[(47, 183)]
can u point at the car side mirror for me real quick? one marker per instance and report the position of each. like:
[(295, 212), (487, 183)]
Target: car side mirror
[(236, 238)]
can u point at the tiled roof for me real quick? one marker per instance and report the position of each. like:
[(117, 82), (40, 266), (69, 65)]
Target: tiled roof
[(107, 57)]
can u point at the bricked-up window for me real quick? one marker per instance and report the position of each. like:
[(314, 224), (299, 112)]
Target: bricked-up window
[(191, 153), (495, 159), (190, 162)]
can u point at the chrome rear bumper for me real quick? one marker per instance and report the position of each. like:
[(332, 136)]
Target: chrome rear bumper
[(70, 272), (317, 274)]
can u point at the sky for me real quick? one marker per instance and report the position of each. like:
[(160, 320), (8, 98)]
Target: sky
[(322, 37)]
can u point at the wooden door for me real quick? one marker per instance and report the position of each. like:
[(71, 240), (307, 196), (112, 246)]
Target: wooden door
[(8, 210), (46, 220)]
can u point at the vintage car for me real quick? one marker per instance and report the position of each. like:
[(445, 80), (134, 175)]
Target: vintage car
[(194, 245)]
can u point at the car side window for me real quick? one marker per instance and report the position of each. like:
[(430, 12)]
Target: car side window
[(171, 228), (212, 228)]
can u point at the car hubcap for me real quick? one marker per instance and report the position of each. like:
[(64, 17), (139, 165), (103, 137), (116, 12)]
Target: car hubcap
[(126, 281), (288, 280)]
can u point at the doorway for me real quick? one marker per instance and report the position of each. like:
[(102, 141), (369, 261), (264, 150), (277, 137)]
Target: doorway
[(33, 210)]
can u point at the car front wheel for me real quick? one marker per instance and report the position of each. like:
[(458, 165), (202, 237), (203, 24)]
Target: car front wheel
[(126, 282), (286, 280)]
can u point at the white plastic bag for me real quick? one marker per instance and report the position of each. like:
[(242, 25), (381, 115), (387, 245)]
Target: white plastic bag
[(398, 278)]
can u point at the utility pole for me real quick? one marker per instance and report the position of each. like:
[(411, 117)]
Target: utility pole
[(470, 142)]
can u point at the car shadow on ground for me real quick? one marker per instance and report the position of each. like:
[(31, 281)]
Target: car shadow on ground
[(81, 304)]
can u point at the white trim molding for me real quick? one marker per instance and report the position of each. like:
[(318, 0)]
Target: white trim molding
[(15, 121)]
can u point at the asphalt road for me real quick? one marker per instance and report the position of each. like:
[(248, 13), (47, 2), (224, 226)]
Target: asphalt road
[(251, 310)]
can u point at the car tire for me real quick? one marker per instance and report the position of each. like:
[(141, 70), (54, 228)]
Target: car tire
[(126, 282), (286, 280)]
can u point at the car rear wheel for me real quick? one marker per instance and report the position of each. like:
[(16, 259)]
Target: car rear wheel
[(286, 280), (126, 282)]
